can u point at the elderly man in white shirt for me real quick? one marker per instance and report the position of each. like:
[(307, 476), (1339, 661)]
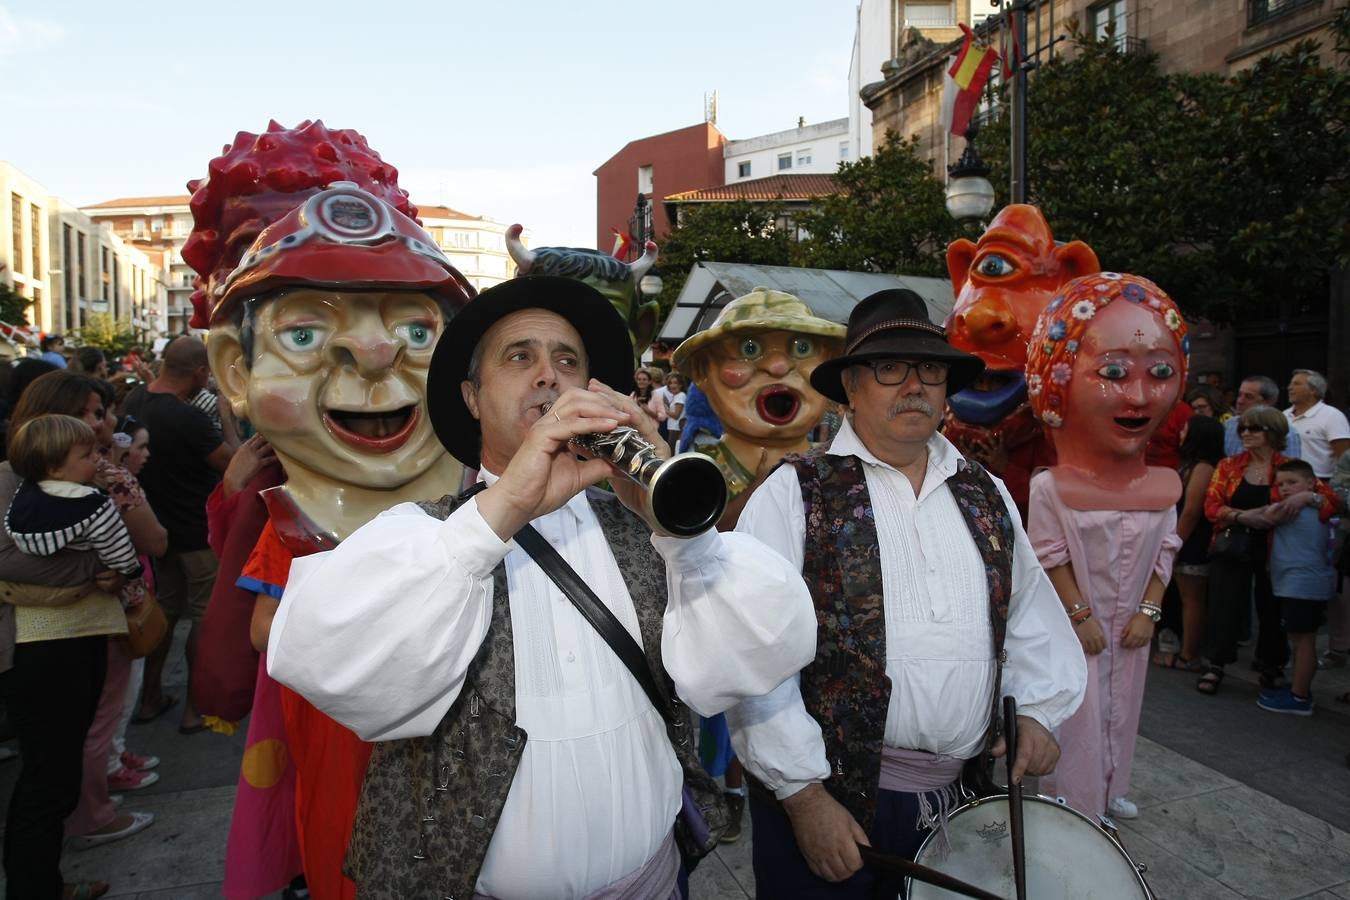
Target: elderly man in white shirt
[(518, 756), (923, 578), (1323, 429)]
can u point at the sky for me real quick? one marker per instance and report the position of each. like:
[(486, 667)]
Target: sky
[(500, 109)]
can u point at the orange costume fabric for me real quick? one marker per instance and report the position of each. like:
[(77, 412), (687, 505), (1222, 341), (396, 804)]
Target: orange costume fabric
[(330, 760)]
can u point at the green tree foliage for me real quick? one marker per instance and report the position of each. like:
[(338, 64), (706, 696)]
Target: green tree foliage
[(113, 336), (13, 305), (1227, 192), (891, 216), (741, 231)]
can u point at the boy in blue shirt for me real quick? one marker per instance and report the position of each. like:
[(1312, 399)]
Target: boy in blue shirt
[(1302, 576)]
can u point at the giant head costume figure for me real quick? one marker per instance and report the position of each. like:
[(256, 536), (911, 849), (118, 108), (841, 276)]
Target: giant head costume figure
[(259, 178), (1106, 363), (755, 366), (1002, 284), (615, 279), (321, 338)]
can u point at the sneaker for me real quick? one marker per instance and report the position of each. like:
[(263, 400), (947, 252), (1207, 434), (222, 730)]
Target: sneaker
[(139, 762), (139, 822), (1169, 642), (1120, 808), (1286, 702), (736, 807), (116, 800), (125, 779), (1332, 659)]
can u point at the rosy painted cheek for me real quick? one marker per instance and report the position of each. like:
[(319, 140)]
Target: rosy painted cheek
[(286, 404), (735, 374)]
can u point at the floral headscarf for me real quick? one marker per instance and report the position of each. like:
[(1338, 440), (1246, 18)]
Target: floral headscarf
[(1061, 326)]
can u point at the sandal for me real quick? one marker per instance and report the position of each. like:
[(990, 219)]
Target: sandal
[(1210, 681), (166, 703), (85, 890), (1177, 661)]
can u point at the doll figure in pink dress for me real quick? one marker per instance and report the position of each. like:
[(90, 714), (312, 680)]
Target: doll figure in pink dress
[(1106, 363)]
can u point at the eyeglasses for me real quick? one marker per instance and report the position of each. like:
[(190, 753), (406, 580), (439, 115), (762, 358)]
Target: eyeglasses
[(891, 372), (1252, 428)]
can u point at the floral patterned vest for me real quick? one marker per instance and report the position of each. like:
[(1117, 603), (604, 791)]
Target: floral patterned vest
[(846, 688), (430, 805)]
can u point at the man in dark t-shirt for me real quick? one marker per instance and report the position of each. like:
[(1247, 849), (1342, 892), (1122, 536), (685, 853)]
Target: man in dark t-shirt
[(187, 455)]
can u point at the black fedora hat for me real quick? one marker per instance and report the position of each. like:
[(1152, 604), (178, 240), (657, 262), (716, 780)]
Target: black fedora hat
[(894, 324), (603, 334)]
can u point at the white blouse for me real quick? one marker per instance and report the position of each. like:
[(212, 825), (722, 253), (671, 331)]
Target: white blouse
[(379, 633), (939, 646)]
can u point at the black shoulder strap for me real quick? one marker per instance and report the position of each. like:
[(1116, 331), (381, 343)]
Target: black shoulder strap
[(596, 613)]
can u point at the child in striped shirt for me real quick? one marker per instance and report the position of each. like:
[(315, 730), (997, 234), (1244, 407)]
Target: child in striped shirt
[(56, 507)]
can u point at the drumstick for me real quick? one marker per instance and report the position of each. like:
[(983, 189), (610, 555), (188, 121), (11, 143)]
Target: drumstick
[(897, 865), (1014, 799)]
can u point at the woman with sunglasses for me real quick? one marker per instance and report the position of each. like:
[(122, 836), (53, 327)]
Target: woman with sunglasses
[(1241, 482)]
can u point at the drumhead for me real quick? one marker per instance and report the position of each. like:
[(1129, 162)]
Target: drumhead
[(1069, 857)]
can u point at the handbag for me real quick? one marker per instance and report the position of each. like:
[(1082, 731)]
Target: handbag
[(146, 626), (1231, 544), (694, 836)]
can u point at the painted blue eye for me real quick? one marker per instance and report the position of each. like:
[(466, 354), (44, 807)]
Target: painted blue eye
[(301, 338), (417, 335), (802, 347), (750, 348), (995, 266), (1162, 370), (1112, 371)]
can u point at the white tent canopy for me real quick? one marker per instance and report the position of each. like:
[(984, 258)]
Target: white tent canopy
[(831, 294)]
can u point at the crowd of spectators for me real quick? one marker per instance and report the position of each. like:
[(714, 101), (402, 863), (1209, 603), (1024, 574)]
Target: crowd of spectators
[(103, 485)]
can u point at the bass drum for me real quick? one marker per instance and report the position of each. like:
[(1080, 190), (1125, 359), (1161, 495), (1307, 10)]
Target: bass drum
[(1069, 857)]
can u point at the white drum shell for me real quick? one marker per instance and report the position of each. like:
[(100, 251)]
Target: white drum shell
[(1069, 857)]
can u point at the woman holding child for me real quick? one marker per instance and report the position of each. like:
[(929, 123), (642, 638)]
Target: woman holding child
[(1246, 481), (54, 630)]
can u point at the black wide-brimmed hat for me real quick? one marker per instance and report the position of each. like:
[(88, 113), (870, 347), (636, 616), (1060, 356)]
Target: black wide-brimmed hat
[(894, 324), (603, 331)]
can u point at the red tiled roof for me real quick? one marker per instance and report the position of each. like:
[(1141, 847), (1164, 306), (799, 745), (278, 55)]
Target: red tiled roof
[(774, 187), (121, 202), (441, 212)]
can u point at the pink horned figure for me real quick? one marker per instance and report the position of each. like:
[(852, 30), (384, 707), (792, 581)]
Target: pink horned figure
[(1105, 365)]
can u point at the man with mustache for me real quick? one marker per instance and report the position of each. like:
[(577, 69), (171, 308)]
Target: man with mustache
[(924, 583), (516, 756)]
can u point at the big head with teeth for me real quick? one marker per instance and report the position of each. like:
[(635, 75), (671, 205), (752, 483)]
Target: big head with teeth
[(1105, 365), (755, 366), (323, 335)]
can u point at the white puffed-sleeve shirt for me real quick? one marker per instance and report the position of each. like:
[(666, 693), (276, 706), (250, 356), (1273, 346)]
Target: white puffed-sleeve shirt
[(379, 633), (939, 643)]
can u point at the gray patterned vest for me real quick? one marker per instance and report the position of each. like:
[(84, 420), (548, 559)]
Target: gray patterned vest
[(429, 805), (846, 688)]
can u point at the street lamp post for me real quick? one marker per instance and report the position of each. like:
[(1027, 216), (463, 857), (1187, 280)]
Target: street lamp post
[(970, 196)]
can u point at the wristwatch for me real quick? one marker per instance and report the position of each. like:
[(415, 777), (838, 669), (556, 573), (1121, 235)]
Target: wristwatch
[(1153, 612)]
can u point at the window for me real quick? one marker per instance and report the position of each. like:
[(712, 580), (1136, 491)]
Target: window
[(83, 256), (16, 227), (804, 157), (105, 274), (1259, 11), (35, 238), (930, 15), (743, 170), (784, 161), (1108, 22), (843, 150), (644, 179), (67, 264)]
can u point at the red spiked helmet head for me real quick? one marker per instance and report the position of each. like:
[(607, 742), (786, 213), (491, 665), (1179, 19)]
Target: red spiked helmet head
[(343, 237)]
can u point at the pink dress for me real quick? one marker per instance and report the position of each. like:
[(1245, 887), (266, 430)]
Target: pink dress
[(1113, 553)]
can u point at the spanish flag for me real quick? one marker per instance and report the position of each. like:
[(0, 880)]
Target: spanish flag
[(623, 244), (965, 81)]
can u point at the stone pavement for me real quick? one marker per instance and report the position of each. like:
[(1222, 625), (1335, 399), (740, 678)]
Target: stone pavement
[(1213, 822)]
